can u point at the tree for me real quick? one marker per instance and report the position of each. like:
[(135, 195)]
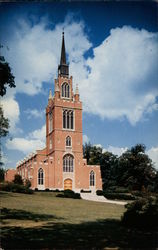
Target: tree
[(2, 174), (18, 179), (4, 124), (86, 151), (6, 76), (135, 169), (6, 79)]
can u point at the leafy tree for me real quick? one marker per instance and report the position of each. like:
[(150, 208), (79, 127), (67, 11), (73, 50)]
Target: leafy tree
[(4, 124), (18, 179), (2, 171), (6, 77), (135, 169), (86, 151)]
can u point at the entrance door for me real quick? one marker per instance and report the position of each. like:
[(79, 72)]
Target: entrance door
[(68, 184)]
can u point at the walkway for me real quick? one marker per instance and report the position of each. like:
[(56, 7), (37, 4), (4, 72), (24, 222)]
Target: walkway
[(94, 197)]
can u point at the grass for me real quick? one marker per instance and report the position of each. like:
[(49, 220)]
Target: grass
[(43, 221)]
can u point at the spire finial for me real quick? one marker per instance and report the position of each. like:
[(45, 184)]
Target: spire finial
[(77, 90), (50, 95)]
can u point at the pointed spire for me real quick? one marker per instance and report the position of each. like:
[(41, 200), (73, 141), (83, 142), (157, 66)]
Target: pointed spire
[(50, 95), (63, 54), (63, 68)]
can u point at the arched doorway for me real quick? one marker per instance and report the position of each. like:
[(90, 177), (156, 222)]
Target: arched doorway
[(68, 184)]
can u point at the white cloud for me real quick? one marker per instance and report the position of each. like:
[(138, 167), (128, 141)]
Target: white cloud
[(119, 81), (12, 112), (115, 150), (39, 134), (24, 145), (153, 154), (35, 140), (85, 139), (123, 75), (34, 113), (35, 52)]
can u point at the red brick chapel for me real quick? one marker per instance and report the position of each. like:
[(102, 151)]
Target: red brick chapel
[(60, 165)]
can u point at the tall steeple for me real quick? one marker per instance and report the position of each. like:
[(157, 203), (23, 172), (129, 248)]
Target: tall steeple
[(63, 68), (63, 54)]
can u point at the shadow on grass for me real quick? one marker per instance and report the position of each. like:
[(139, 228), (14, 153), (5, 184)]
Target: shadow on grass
[(24, 215), (89, 235)]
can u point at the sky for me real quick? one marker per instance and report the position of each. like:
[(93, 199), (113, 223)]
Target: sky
[(112, 50)]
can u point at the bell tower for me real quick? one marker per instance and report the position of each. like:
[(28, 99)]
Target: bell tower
[(64, 128)]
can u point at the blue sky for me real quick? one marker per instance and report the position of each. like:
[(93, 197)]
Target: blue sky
[(112, 50)]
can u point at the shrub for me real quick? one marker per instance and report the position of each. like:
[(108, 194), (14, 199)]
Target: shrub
[(85, 191), (18, 179), (142, 213), (100, 192), (69, 194), (27, 183), (16, 188), (119, 196)]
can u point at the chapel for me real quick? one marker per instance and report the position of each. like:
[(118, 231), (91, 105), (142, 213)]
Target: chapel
[(60, 165)]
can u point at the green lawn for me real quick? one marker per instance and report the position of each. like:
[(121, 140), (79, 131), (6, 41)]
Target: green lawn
[(43, 221)]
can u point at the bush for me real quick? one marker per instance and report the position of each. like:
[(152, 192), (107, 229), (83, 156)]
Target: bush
[(119, 196), (16, 188), (69, 194), (18, 179), (100, 192), (142, 213), (85, 191), (27, 183)]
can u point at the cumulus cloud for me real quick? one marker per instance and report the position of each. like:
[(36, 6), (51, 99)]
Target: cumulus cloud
[(35, 140), (12, 112), (122, 78), (24, 145), (119, 81), (115, 150), (35, 52), (153, 154)]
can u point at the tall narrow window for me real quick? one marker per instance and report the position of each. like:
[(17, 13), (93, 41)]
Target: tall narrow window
[(40, 177), (92, 178), (65, 90), (50, 122), (68, 119), (68, 141), (68, 162)]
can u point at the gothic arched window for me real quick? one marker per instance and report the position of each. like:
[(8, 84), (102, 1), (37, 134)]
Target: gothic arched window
[(68, 161), (68, 141), (65, 90), (40, 177), (92, 178), (68, 119), (50, 122)]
